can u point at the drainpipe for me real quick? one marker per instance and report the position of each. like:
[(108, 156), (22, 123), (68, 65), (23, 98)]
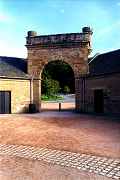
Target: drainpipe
[(32, 107), (83, 94), (31, 90)]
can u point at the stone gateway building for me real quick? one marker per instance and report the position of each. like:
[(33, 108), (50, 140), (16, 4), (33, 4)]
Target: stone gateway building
[(71, 48), (20, 79)]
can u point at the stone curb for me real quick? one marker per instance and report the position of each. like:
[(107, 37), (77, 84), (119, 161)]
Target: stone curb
[(100, 165)]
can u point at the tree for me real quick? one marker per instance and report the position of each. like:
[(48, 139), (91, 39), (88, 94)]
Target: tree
[(50, 87), (61, 72), (66, 89)]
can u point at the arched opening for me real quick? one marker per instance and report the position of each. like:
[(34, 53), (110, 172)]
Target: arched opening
[(71, 47), (57, 86)]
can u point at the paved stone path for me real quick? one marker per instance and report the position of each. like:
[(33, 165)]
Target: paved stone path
[(100, 165)]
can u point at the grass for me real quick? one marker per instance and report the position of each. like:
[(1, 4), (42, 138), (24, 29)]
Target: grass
[(51, 97)]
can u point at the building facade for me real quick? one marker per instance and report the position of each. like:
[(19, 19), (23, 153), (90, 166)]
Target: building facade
[(102, 85)]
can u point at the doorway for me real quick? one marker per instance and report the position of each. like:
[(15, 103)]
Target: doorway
[(98, 101), (5, 102)]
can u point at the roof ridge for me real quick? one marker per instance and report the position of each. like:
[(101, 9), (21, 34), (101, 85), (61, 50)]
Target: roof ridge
[(12, 57), (109, 52), (96, 55)]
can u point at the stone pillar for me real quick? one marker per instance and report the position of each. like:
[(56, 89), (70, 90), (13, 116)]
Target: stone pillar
[(37, 93), (80, 93)]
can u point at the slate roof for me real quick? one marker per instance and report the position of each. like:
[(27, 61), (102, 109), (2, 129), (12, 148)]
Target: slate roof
[(105, 63), (13, 67)]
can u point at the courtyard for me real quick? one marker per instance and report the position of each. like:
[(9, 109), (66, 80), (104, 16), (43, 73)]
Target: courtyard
[(63, 145), (89, 134)]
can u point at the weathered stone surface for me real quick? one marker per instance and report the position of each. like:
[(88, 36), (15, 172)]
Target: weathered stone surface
[(70, 48)]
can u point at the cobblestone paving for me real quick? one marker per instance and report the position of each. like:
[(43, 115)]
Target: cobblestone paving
[(100, 165)]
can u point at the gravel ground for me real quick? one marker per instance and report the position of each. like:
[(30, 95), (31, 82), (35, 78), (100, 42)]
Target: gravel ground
[(76, 133), (57, 130)]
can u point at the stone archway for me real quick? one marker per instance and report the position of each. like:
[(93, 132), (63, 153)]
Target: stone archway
[(72, 48)]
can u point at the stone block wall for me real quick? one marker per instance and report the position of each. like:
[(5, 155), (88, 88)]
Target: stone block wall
[(20, 93), (76, 57)]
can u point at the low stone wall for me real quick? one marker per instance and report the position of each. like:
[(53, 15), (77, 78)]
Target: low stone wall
[(55, 106)]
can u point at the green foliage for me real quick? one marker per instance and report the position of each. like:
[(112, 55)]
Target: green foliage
[(51, 98), (58, 71), (66, 89), (50, 87), (44, 97)]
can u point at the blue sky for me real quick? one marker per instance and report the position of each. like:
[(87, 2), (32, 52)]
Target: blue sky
[(58, 16)]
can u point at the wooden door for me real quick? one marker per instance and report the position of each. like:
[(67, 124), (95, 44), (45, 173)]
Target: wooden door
[(5, 102)]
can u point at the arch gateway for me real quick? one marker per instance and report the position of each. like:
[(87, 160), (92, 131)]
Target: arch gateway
[(72, 48)]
